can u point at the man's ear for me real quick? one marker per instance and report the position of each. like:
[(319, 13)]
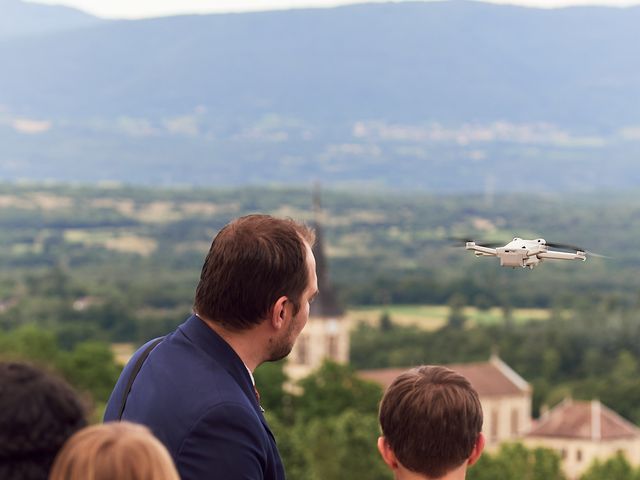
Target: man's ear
[(280, 312), (477, 449), (387, 454)]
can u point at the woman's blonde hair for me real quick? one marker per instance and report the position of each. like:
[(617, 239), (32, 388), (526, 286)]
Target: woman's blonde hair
[(117, 450)]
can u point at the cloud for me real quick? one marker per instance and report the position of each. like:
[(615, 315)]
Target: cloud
[(185, 125), (30, 126)]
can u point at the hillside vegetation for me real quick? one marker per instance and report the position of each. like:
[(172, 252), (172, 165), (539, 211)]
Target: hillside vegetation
[(84, 267), (145, 247)]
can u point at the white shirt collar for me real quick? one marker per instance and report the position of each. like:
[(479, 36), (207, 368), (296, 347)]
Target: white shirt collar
[(253, 380)]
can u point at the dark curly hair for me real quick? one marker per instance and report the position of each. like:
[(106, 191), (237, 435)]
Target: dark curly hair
[(38, 413)]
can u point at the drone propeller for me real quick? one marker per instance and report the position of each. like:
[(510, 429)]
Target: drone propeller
[(591, 254), (490, 244), (461, 242), (565, 246)]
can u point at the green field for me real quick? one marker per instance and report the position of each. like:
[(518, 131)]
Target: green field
[(431, 317), (427, 317)]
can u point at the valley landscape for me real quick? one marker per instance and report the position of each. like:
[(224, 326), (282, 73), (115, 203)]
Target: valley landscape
[(125, 145)]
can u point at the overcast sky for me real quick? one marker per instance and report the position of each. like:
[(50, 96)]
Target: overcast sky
[(155, 8)]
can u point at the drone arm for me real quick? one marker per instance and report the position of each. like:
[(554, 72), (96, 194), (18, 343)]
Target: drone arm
[(479, 249), (562, 255)]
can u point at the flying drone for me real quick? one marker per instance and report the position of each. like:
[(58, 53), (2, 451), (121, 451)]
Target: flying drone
[(525, 253)]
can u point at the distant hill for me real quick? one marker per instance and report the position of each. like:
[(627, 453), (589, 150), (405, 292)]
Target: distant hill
[(439, 95), (443, 61), (22, 18)]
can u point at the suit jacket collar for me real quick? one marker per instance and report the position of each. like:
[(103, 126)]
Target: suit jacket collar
[(205, 338)]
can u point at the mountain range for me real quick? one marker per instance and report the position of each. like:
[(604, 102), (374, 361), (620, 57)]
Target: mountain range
[(21, 19), (444, 96)]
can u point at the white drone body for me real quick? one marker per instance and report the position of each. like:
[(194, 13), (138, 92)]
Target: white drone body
[(524, 253)]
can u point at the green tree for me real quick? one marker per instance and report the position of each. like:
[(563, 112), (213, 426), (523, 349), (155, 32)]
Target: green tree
[(514, 460), (344, 446), (270, 380), (30, 343), (293, 445), (90, 367), (550, 363), (55, 282), (615, 468), (385, 324), (620, 388), (456, 318), (115, 317), (333, 389), (507, 313), (482, 302), (486, 468), (321, 453)]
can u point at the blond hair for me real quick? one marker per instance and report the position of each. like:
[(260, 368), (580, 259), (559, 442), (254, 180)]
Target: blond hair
[(121, 450)]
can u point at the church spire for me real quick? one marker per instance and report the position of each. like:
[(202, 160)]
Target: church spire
[(326, 303)]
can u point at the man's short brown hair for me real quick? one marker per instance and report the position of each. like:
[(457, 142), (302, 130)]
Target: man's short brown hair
[(253, 261), (431, 418)]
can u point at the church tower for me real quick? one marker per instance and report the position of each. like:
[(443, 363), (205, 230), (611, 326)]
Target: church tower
[(326, 335)]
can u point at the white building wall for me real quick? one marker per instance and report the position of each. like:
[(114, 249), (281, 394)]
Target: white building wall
[(506, 418), (321, 338), (578, 455)]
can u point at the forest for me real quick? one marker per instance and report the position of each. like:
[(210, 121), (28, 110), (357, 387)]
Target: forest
[(83, 268)]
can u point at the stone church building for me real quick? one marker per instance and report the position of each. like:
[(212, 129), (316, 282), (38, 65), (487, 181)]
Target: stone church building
[(326, 335)]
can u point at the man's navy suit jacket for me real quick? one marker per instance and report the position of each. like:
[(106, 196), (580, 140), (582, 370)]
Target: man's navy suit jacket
[(196, 395)]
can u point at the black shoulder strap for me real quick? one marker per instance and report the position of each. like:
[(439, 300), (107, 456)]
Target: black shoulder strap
[(134, 374)]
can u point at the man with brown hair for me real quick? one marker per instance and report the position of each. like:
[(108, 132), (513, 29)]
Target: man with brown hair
[(195, 388), (431, 422)]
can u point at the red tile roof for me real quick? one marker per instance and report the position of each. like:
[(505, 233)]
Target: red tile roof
[(584, 420), (381, 376), (490, 379)]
